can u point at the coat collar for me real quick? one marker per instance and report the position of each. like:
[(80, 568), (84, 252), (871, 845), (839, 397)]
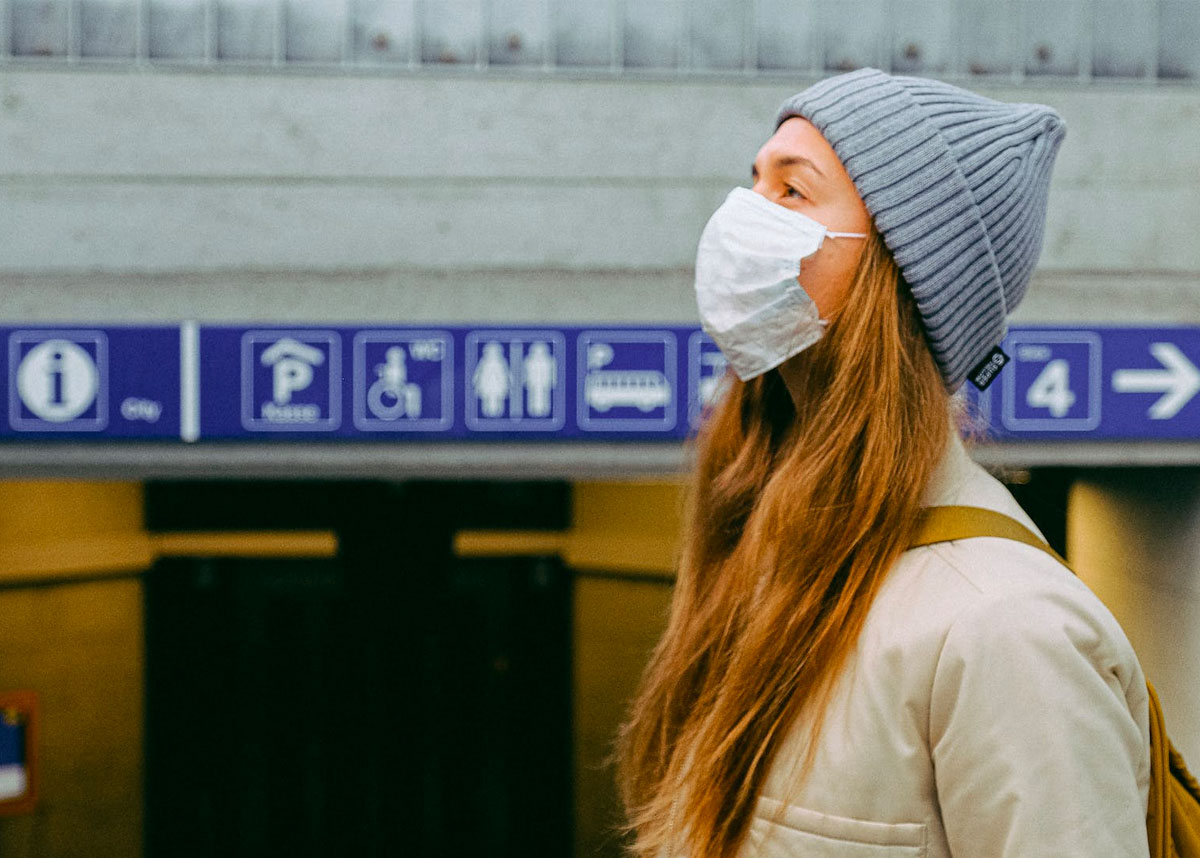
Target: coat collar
[(960, 481)]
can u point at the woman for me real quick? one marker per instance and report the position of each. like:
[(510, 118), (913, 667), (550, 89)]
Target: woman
[(820, 689)]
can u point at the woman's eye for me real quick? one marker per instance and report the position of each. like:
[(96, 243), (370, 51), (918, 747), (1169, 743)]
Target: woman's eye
[(794, 194)]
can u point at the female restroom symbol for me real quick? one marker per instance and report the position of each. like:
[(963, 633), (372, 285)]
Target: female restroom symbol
[(492, 380)]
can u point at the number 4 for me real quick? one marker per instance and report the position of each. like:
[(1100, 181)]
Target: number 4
[(1052, 389)]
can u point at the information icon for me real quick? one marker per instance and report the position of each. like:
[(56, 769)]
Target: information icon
[(58, 381)]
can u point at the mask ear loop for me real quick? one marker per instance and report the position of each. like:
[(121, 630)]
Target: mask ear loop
[(846, 234)]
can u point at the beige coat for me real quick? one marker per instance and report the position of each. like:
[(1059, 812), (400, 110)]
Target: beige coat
[(993, 708)]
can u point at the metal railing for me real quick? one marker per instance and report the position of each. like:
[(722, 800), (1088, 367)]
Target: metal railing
[(1082, 40)]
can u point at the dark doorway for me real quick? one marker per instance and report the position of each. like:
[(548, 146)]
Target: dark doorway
[(1043, 493), (389, 701)]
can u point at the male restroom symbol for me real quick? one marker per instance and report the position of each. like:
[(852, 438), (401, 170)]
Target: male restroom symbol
[(492, 380), (541, 374)]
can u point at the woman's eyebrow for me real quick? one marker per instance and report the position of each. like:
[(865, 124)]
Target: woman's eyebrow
[(789, 161), (794, 160)]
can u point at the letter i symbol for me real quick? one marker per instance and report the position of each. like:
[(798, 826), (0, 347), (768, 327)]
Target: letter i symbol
[(55, 368)]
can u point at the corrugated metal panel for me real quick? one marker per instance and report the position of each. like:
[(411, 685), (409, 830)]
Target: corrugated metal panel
[(1012, 39)]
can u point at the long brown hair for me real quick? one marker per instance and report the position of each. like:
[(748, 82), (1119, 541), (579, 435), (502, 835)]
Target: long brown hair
[(797, 511)]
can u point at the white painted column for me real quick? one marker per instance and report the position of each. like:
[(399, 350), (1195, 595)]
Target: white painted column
[(1134, 537)]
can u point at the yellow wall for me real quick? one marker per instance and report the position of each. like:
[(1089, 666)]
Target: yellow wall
[(617, 623), (1132, 538), (631, 532), (79, 646)]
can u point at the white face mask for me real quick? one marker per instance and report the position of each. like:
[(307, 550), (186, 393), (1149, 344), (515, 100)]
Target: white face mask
[(746, 267)]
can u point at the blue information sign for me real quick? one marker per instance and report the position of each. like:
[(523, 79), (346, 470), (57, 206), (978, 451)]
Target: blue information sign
[(14, 775), (1097, 384), (291, 381), (448, 383), (531, 382), (112, 382)]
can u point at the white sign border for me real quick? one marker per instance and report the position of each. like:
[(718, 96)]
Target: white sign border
[(553, 423), (620, 424), (21, 424), (1095, 380), (331, 423)]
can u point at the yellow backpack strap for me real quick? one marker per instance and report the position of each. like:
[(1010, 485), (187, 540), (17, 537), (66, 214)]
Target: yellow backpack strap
[(1158, 808), (949, 523)]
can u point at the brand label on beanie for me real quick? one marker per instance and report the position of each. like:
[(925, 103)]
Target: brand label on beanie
[(987, 369)]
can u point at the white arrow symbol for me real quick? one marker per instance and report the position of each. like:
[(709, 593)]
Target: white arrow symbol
[(1179, 381)]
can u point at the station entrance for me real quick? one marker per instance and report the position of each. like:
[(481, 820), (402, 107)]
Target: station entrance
[(388, 699), (428, 667)]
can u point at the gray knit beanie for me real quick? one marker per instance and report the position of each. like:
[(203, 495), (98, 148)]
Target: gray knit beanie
[(956, 184)]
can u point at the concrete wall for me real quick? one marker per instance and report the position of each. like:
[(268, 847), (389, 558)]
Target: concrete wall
[(133, 195)]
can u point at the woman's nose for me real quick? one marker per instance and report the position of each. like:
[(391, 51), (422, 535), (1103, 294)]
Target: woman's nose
[(762, 187)]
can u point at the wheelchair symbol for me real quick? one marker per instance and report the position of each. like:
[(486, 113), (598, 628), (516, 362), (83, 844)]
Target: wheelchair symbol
[(392, 396)]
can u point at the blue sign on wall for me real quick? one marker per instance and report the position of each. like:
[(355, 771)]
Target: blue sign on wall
[(88, 382), (515, 381), (1100, 383), (628, 381), (14, 774), (403, 381), (291, 381), (532, 382), (1054, 382)]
